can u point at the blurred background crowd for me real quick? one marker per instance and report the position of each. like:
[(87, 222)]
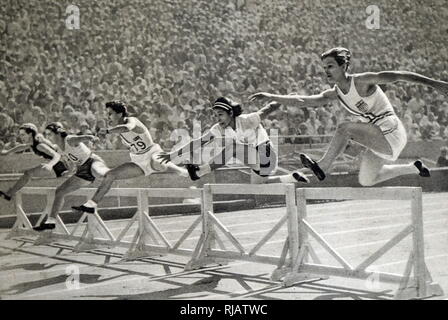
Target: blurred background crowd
[(170, 59)]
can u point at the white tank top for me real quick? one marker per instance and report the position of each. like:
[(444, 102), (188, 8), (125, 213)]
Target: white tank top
[(138, 143), (369, 109), (78, 155), (248, 130)]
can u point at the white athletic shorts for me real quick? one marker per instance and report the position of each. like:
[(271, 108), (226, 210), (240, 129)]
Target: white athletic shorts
[(148, 161), (395, 134)]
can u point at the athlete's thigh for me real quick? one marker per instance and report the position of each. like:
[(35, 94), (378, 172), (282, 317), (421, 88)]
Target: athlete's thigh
[(369, 136), (99, 169), (156, 164), (126, 170), (72, 184), (40, 172)]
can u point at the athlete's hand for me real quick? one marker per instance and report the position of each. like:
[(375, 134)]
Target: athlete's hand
[(164, 157), (273, 104), (259, 96), (47, 166), (95, 139)]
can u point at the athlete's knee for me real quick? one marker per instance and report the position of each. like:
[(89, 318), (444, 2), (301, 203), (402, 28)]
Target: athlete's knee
[(366, 180), (344, 127), (99, 169), (110, 176), (28, 174), (60, 192)]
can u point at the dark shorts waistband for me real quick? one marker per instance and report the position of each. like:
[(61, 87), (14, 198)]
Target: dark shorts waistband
[(60, 169)]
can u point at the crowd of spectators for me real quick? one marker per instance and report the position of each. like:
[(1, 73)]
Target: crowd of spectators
[(170, 59)]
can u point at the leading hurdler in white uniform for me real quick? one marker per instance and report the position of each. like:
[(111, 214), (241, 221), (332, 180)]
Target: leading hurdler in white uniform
[(142, 151), (379, 128)]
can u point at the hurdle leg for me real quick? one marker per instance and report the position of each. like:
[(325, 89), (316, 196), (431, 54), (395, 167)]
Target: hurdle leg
[(92, 229), (146, 228), (423, 285), (282, 268), (22, 226), (50, 199), (139, 248), (297, 221), (47, 237), (128, 255), (187, 233), (292, 241), (201, 256), (86, 243)]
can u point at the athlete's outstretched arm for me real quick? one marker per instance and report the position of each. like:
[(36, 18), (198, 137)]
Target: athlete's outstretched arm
[(76, 140), (18, 148), (42, 139), (267, 109), (301, 101), (188, 148), (56, 157), (131, 125), (394, 76)]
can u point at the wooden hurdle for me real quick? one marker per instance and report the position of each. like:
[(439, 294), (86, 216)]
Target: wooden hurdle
[(147, 240), (418, 285), (210, 247), (292, 262)]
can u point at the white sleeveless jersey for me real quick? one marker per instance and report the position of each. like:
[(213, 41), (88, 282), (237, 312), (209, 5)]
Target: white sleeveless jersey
[(138, 143), (78, 155), (368, 109), (248, 130)]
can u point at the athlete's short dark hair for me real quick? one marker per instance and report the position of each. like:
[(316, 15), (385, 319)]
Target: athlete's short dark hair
[(118, 107), (340, 54), (57, 128), (29, 128), (228, 105)]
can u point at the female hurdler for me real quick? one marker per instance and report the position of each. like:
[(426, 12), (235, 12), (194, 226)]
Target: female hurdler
[(242, 136), (32, 139), (142, 151)]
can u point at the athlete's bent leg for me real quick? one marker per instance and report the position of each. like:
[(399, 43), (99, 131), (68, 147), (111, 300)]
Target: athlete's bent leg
[(125, 171), (99, 169), (157, 165), (365, 134), (218, 161), (26, 177), (373, 169), (70, 185)]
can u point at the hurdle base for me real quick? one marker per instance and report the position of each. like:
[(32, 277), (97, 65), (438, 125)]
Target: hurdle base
[(292, 279), (15, 233), (203, 262), (85, 246), (411, 293), (18, 233), (280, 273), (44, 239), (138, 254)]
